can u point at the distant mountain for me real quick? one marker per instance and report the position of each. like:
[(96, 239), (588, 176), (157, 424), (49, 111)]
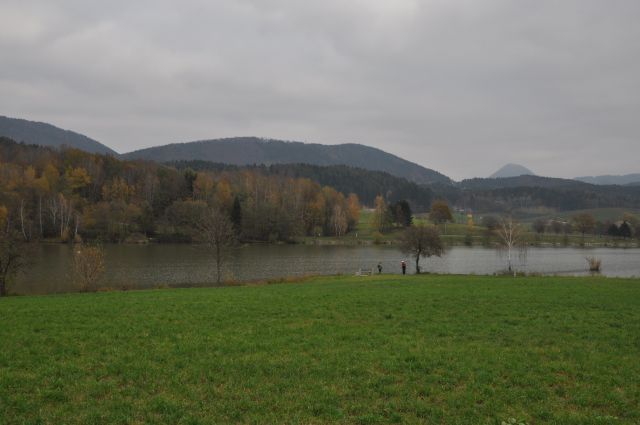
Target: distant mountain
[(38, 133), (366, 184), (253, 150), (511, 170), (627, 179)]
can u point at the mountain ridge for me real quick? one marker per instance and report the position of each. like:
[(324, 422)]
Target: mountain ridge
[(254, 150), (45, 134)]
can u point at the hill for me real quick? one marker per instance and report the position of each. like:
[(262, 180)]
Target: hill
[(366, 184), (511, 170), (103, 197), (524, 192), (627, 179), (253, 150), (39, 133), (521, 181)]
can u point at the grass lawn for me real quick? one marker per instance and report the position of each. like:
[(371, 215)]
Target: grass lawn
[(430, 349)]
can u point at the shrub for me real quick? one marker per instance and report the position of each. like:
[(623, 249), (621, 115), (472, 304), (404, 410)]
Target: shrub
[(594, 264)]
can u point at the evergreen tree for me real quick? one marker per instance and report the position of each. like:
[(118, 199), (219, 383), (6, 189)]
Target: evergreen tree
[(236, 214)]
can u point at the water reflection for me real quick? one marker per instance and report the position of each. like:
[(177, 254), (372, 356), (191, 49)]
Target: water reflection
[(137, 266)]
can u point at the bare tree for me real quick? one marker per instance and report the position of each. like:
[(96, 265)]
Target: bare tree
[(339, 222), (88, 266), (584, 223), (217, 231), (13, 257), (421, 241), (511, 239)]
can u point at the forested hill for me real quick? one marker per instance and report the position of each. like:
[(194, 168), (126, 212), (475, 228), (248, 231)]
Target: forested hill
[(38, 133), (627, 179), (524, 192), (521, 181), (366, 184), (67, 194), (252, 150)]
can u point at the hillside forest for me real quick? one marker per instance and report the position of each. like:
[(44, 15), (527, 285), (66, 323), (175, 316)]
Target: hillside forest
[(69, 194)]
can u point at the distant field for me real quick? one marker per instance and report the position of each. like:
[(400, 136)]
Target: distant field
[(381, 350), (600, 214)]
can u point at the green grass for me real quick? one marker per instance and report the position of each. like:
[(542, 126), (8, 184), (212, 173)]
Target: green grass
[(430, 349)]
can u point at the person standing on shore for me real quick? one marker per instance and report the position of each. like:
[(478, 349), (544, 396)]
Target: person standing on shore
[(404, 266), (379, 268)]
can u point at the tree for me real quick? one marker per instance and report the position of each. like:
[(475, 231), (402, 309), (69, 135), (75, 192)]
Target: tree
[(236, 215), (217, 231), (88, 266), (381, 219), (557, 227), (421, 241), (440, 212), (353, 210), (13, 252), (339, 223), (12, 257), (584, 223), (511, 239), (624, 230), (539, 226), (613, 230), (402, 214)]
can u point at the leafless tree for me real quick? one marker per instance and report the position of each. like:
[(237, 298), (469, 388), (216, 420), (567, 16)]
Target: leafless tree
[(217, 231), (339, 221), (511, 240), (88, 266), (421, 241)]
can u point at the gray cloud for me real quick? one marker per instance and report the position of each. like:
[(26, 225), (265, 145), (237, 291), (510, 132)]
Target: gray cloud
[(459, 86)]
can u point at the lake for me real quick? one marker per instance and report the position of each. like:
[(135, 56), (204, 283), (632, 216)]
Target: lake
[(149, 266)]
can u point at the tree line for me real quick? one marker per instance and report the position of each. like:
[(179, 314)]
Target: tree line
[(69, 195), (367, 184)]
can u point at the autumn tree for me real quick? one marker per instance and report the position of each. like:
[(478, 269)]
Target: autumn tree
[(440, 212), (353, 210), (381, 217), (421, 241), (216, 229), (584, 223), (88, 266)]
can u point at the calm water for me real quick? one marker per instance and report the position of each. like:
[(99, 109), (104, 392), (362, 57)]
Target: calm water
[(139, 266)]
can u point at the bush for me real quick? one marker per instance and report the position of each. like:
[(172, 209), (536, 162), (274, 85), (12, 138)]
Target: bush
[(594, 264), (88, 266)]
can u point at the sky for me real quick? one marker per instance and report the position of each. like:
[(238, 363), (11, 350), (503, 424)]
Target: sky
[(459, 86)]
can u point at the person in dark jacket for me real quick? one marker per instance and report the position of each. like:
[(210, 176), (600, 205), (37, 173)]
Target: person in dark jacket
[(404, 267)]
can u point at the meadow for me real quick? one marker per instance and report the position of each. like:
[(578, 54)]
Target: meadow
[(351, 350)]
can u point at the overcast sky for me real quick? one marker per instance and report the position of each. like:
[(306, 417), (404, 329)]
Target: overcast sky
[(460, 86)]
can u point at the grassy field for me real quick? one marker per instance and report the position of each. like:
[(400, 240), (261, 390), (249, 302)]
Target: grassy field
[(430, 349), (459, 233)]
